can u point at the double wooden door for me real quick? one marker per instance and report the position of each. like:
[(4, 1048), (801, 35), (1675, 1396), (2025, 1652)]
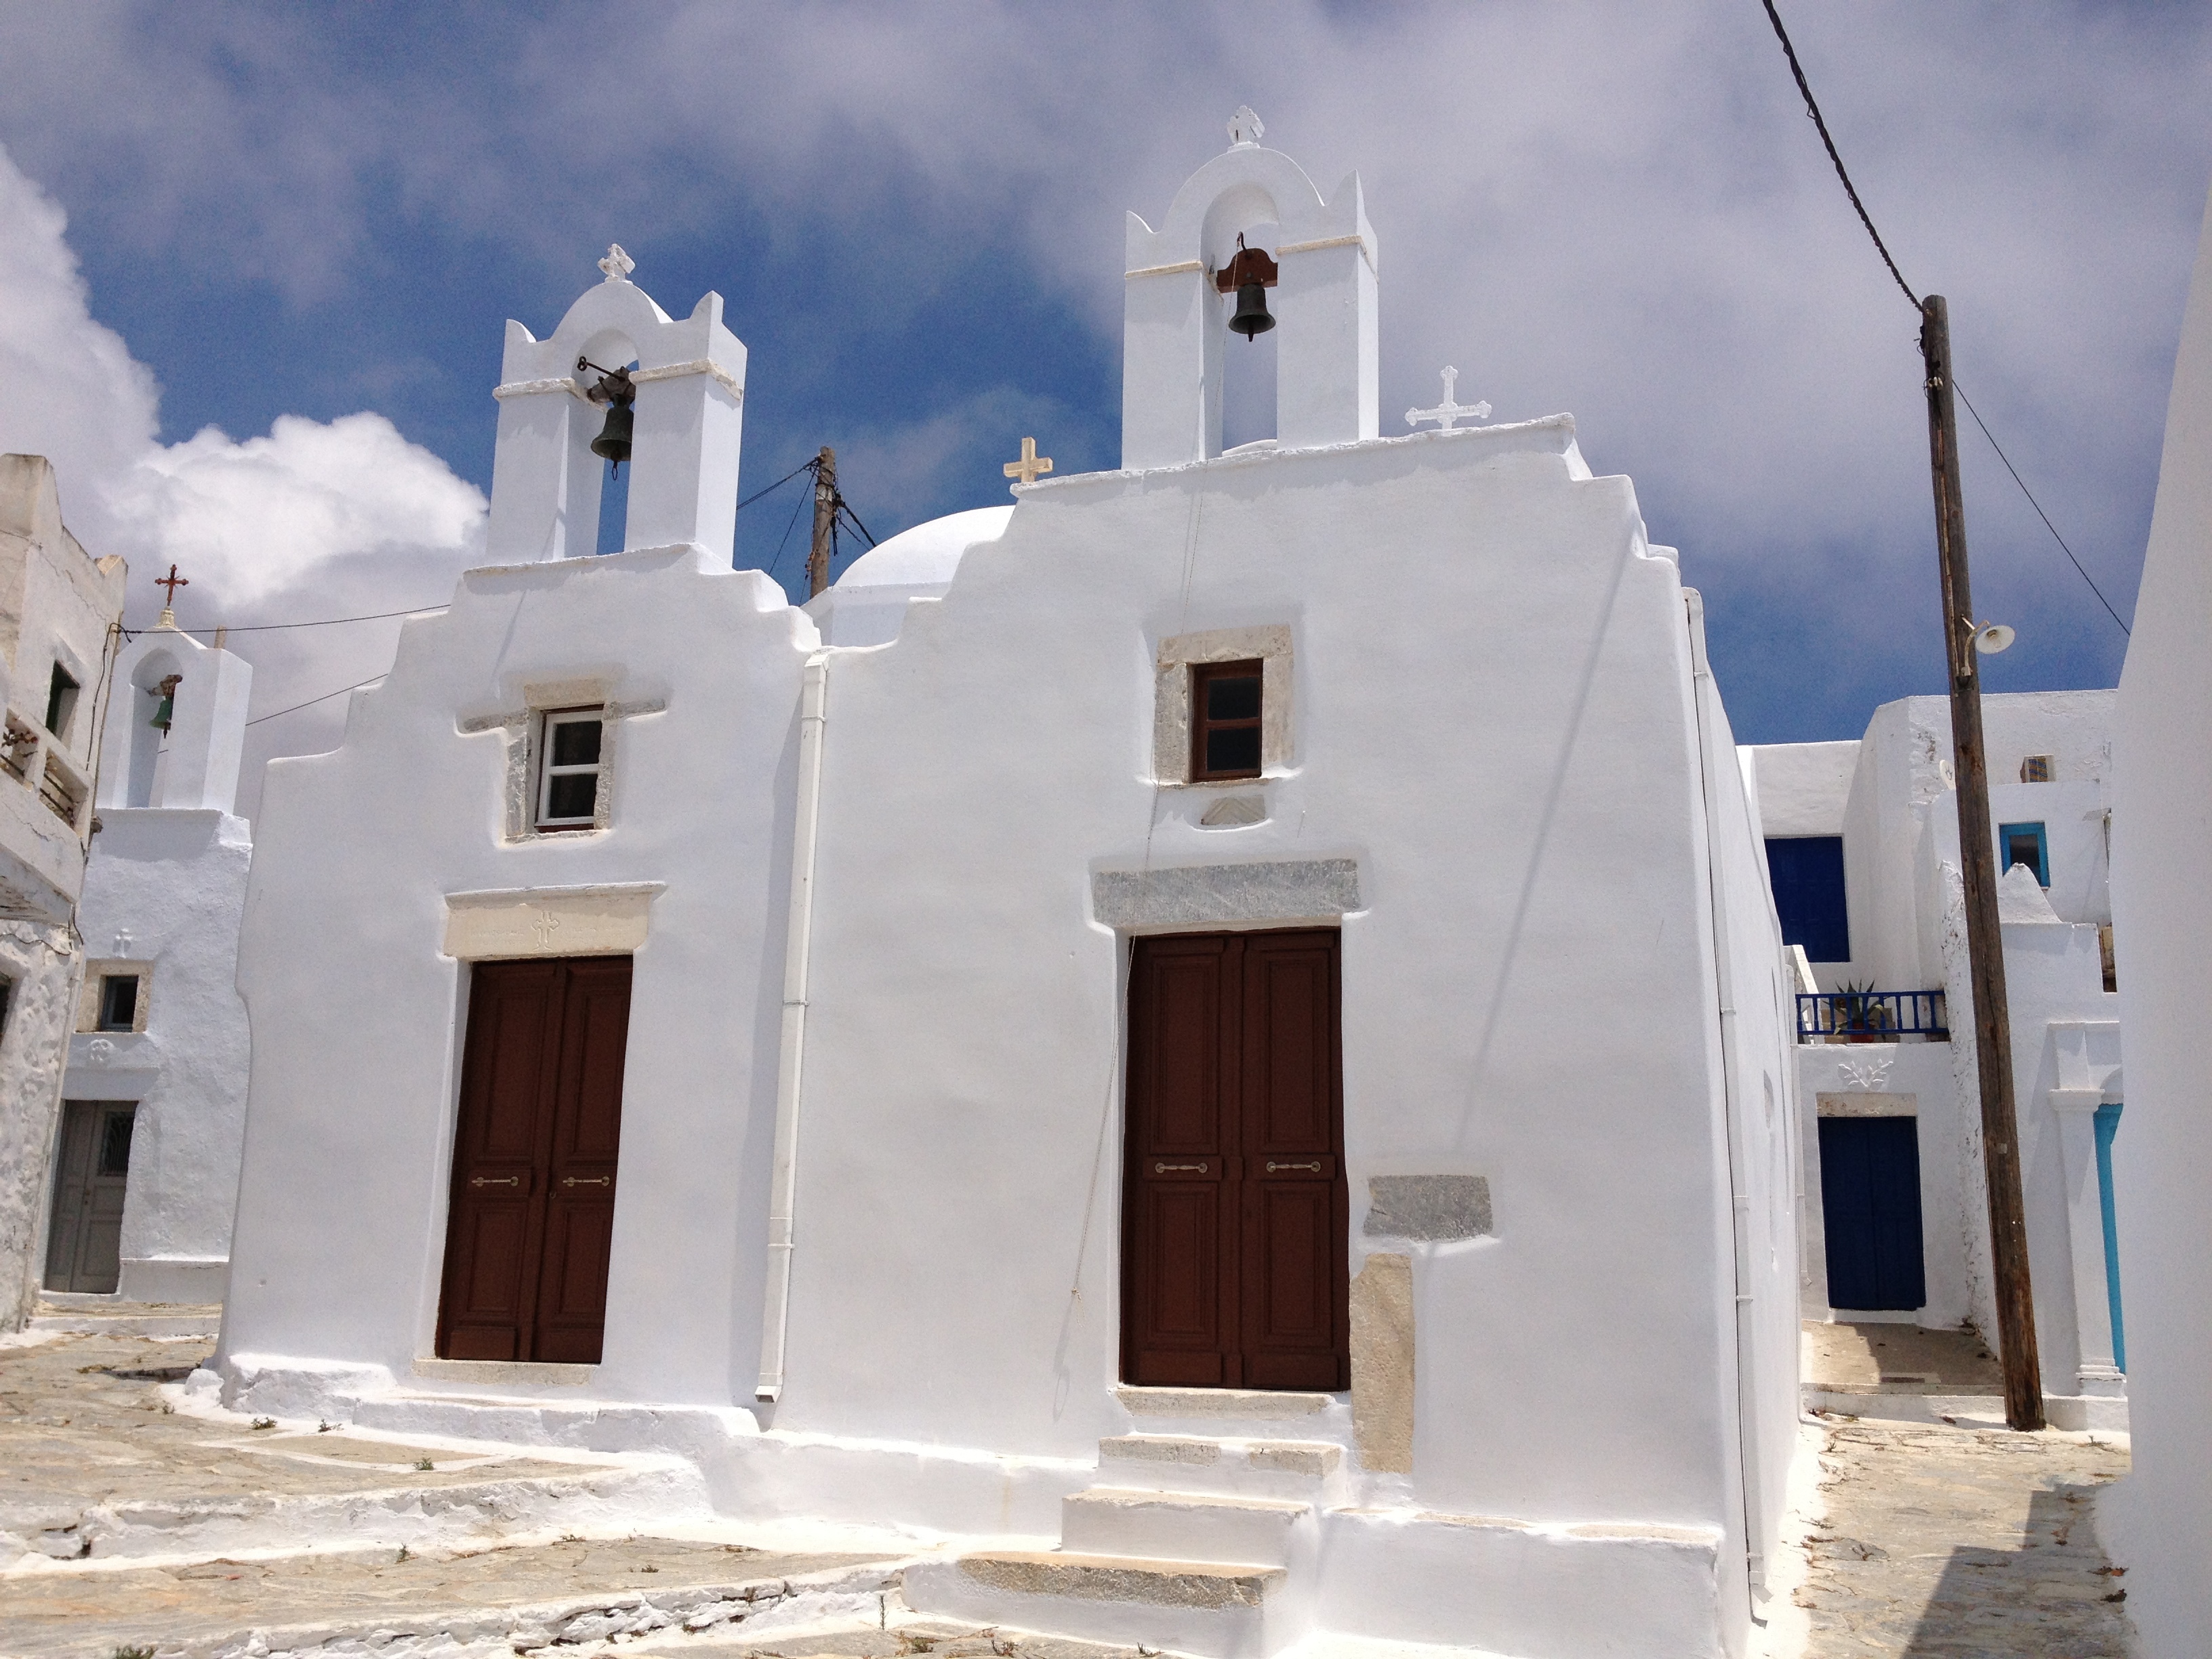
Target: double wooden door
[(1235, 1270), (532, 1211), (1870, 1206)]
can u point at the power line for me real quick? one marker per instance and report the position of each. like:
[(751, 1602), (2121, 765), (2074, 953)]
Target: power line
[(2037, 505), (312, 702), (1813, 109), (266, 627)]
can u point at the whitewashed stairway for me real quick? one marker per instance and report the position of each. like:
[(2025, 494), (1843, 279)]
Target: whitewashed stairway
[(1200, 1536)]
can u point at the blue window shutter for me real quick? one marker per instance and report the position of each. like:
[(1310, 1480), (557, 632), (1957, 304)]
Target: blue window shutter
[(1808, 874)]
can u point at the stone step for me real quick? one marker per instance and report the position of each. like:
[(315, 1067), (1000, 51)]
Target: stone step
[(107, 1316), (1311, 1471), (1211, 1609), (1238, 1413), (1183, 1526)]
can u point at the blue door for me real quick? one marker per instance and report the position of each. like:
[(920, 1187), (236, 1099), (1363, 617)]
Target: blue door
[(2108, 1125), (1870, 1193)]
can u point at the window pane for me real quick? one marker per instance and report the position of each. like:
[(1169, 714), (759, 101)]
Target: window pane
[(571, 796), (1237, 749), (119, 1002), (576, 743), (1233, 697), (115, 1145)]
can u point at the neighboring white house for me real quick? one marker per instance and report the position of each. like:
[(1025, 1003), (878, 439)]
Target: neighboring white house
[(1226, 1018), (159, 1060), (59, 607), (2159, 1521), (1862, 842)]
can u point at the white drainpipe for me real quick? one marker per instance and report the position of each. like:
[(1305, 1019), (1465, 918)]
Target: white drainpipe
[(783, 1181)]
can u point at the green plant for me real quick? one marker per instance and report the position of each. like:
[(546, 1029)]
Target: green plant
[(132, 1653), (1859, 1009), (423, 1463)]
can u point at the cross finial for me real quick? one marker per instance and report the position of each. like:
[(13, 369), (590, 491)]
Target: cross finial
[(173, 582), (617, 264), (1244, 127), (1449, 411), (1031, 464)]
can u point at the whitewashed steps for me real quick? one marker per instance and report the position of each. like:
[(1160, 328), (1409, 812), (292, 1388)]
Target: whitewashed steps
[(1215, 1610), (1309, 1471), (1195, 1527)]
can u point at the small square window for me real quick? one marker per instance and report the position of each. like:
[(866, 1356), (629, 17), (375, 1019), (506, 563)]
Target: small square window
[(1224, 720), (568, 777), (2025, 843), (119, 1002)]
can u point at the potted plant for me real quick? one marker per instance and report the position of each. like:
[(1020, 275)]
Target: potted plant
[(1861, 1016)]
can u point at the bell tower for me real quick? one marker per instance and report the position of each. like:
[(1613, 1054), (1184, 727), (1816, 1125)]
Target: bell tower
[(690, 380), (1175, 327)]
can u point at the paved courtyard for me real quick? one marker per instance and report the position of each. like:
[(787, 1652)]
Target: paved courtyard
[(1932, 1541)]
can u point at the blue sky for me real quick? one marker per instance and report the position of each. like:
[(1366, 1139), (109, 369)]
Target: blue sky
[(308, 225)]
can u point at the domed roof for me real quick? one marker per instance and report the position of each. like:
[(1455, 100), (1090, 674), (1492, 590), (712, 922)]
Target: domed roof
[(927, 554)]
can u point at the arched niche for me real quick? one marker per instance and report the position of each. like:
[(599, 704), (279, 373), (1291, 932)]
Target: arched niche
[(1175, 325), (143, 782)]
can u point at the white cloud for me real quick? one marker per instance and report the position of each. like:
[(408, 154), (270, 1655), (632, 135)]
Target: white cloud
[(314, 519)]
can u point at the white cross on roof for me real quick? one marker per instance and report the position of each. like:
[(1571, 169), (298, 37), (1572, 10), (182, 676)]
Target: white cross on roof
[(617, 264), (1449, 412)]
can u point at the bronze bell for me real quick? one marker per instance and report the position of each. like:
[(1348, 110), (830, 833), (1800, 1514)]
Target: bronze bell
[(1250, 273), (618, 392)]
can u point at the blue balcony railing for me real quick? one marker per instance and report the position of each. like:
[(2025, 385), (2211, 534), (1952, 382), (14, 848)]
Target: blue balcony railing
[(1871, 1017)]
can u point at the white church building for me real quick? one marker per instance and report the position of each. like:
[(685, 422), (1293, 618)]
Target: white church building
[(1212, 1045), (154, 1097)]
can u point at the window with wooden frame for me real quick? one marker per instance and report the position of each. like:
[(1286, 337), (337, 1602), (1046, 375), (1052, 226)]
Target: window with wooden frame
[(1224, 720), (571, 740)]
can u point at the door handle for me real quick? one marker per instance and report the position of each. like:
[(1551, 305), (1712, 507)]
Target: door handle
[(1273, 1166), (1194, 1168), (587, 1181), (495, 1181)]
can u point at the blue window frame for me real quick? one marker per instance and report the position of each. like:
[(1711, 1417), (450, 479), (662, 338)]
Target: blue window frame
[(1808, 874), (2024, 843)]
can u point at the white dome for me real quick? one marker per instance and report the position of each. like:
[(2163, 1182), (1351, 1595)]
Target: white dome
[(927, 554)]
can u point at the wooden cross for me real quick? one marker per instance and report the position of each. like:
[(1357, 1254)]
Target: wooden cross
[(1031, 464), (1449, 412)]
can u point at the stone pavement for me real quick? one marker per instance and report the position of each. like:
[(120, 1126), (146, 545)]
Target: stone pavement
[(1931, 1542)]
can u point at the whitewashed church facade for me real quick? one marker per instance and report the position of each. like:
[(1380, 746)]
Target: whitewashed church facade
[(1215, 1040)]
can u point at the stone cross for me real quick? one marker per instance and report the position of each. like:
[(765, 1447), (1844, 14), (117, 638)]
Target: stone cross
[(1244, 127), (617, 264), (1448, 412), (1031, 464), (543, 924)]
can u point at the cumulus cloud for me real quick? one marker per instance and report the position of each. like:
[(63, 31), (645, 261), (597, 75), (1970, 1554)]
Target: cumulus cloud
[(310, 518)]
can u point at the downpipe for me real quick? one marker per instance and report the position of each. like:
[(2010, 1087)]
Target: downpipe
[(783, 1179)]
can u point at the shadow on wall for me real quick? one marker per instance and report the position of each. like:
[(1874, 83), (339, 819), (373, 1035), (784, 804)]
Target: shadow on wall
[(2056, 1595)]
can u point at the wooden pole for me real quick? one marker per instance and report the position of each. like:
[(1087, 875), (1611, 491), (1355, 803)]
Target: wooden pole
[(2016, 1297), (825, 516)]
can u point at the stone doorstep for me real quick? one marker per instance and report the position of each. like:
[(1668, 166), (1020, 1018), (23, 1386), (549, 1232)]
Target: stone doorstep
[(1193, 1526), (1259, 1405), (1207, 1586), (1311, 1469)]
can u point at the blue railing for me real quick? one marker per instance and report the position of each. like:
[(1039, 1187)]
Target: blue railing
[(1871, 1017)]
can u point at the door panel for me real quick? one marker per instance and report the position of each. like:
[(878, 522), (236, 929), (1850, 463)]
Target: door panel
[(532, 1215), (1234, 1250), (84, 1239), (1870, 1200)]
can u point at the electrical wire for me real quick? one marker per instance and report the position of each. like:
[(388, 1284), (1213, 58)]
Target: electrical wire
[(268, 627), (312, 702), (1813, 109)]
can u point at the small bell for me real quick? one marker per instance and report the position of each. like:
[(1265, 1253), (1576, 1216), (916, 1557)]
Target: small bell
[(165, 712), (618, 391), (1249, 273)]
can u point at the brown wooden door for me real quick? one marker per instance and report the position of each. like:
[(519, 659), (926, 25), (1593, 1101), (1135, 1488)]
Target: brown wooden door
[(1235, 1271), (531, 1216), (84, 1244)]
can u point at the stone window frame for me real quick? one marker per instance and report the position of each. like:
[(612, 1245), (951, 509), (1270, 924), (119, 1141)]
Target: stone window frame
[(1270, 644), (525, 731), (544, 770), (97, 972)]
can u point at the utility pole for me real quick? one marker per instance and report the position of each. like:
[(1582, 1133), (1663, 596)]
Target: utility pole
[(2016, 1297), (825, 520)]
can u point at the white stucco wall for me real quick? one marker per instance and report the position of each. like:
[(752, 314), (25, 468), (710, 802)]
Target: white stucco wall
[(2160, 1518), (167, 888), (46, 967)]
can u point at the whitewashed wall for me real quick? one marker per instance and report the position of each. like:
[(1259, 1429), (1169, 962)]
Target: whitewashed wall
[(2160, 1518)]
